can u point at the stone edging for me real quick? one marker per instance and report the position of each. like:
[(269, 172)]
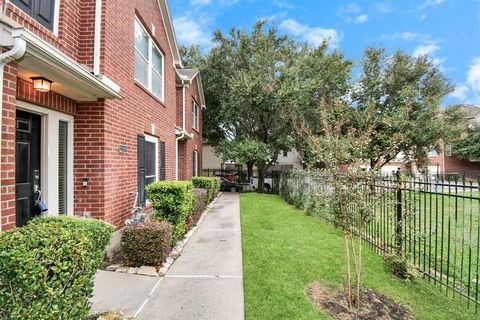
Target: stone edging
[(174, 254)]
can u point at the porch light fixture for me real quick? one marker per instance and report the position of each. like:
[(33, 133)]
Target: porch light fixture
[(41, 84)]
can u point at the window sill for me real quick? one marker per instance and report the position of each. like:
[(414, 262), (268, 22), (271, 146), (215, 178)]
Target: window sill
[(141, 86)]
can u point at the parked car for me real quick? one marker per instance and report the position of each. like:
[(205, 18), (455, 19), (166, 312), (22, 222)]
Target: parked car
[(267, 184), (229, 176), (228, 185)]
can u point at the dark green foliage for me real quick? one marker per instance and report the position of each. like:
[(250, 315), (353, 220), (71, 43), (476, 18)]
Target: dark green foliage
[(207, 184), (172, 201), (469, 147), (47, 267), (147, 243), (199, 196), (401, 267), (218, 186)]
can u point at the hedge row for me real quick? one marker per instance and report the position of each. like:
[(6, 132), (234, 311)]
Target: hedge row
[(207, 184), (47, 267), (199, 196), (307, 190)]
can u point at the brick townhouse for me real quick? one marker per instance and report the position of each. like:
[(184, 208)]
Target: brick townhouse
[(89, 107)]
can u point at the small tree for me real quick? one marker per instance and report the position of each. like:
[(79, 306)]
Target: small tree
[(342, 149), (244, 151)]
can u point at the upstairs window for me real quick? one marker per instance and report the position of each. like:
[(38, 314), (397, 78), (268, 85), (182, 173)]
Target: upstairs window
[(42, 11), (194, 115), (148, 62)]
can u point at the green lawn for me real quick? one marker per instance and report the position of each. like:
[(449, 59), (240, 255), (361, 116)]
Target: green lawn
[(284, 250), (440, 235)]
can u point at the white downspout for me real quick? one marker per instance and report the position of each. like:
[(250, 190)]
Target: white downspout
[(17, 51), (97, 37)]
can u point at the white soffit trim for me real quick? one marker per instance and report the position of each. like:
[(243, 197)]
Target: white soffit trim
[(169, 29), (55, 58)]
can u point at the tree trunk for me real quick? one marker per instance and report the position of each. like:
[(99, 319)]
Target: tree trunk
[(349, 275), (261, 177), (249, 170)]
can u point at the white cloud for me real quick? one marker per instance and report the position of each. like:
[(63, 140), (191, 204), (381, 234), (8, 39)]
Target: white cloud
[(470, 90), (223, 3), (473, 75), (410, 36), (313, 35), (351, 12), (201, 2), (190, 31), (430, 3), (423, 17), (425, 49), (362, 18), (383, 7), (460, 93), (283, 4)]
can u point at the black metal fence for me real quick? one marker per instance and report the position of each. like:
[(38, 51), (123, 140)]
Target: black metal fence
[(435, 223)]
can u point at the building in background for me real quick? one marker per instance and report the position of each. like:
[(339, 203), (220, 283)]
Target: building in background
[(214, 165)]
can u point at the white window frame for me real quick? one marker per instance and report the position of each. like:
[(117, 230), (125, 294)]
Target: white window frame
[(49, 155), (154, 140), (194, 115), (151, 45)]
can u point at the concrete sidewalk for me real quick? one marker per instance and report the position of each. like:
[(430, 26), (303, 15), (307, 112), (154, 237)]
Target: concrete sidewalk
[(205, 282)]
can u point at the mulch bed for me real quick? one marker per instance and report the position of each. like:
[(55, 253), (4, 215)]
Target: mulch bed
[(375, 306)]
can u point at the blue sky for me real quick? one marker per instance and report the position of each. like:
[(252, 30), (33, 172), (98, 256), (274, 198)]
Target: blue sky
[(447, 30)]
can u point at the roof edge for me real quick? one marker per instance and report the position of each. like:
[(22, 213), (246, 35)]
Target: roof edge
[(170, 30)]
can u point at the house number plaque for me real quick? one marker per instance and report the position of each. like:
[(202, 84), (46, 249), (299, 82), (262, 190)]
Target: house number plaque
[(123, 148)]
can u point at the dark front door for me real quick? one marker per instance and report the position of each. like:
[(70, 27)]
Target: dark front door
[(27, 166)]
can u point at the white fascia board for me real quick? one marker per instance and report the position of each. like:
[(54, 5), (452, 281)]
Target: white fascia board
[(169, 29), (52, 56)]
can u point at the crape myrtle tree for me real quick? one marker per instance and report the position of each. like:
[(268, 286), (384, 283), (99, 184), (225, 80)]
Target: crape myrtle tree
[(243, 73), (321, 114), (405, 92), (344, 124)]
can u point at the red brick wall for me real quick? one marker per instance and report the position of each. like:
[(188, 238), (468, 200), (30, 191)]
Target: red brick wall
[(135, 114), (75, 28), (7, 192), (50, 99), (186, 151), (99, 127)]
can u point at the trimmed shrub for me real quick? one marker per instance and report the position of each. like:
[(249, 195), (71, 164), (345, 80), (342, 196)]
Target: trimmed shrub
[(47, 267), (401, 267), (207, 184), (172, 201), (198, 197), (217, 186), (146, 243)]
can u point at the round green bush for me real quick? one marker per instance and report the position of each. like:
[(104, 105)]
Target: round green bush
[(47, 267)]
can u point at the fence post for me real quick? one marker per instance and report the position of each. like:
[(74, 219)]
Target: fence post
[(398, 220)]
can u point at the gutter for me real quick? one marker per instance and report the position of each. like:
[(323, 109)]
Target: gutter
[(97, 37), (17, 52)]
